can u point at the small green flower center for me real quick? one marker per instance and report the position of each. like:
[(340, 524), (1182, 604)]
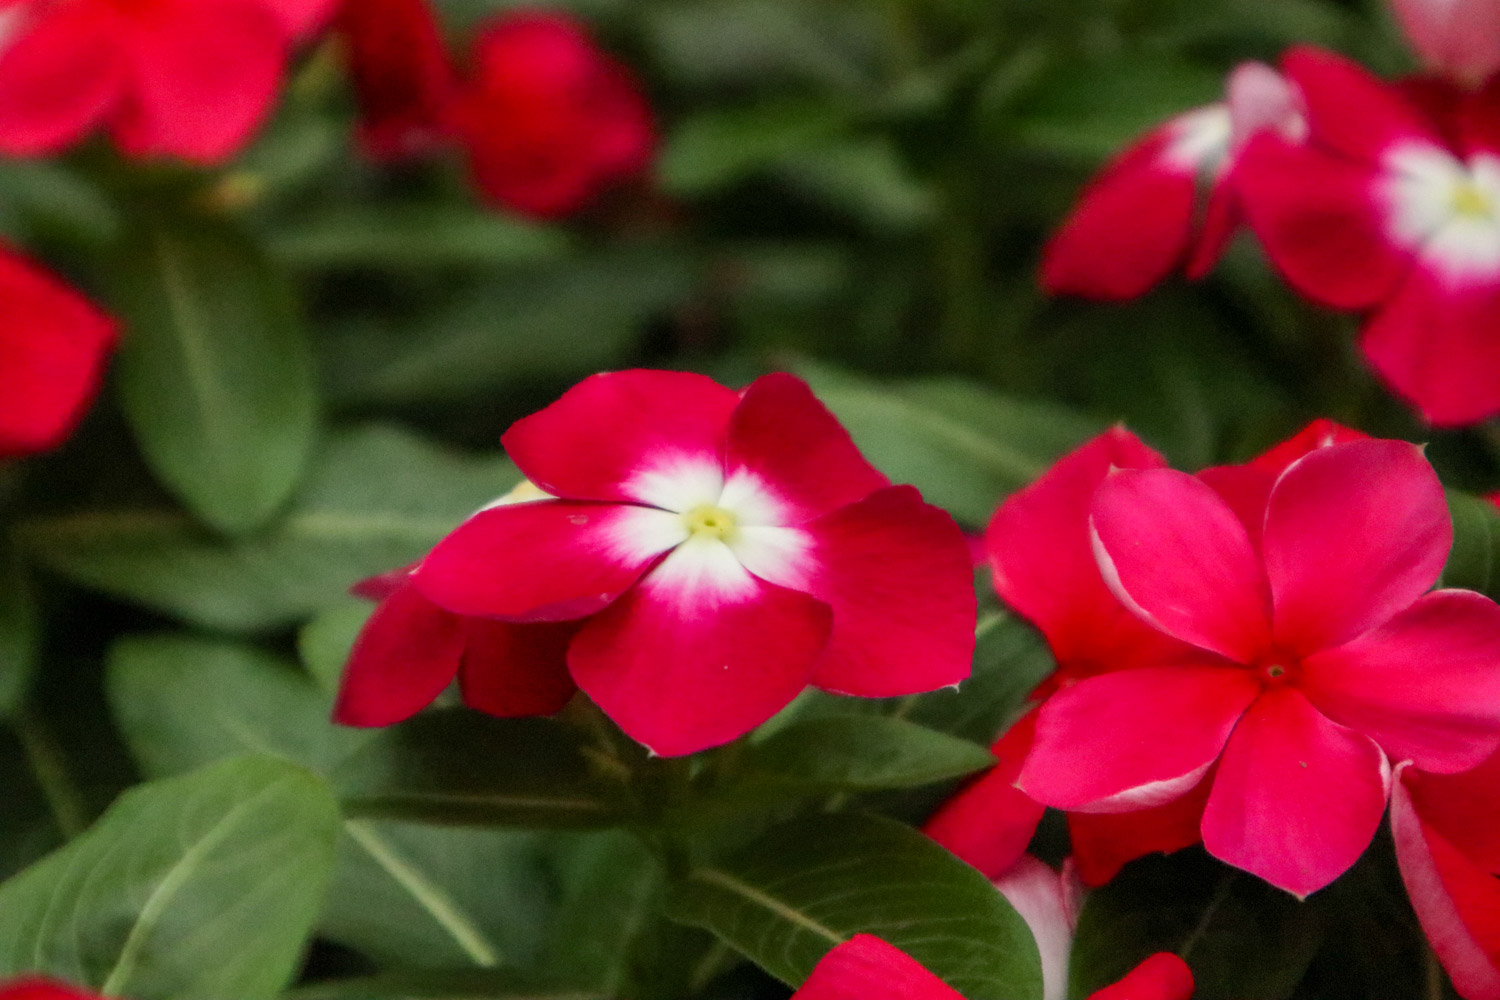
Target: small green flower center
[(1472, 202), (709, 521)]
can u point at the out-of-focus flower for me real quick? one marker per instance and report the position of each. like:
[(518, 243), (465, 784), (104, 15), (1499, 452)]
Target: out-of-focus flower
[(1317, 655), (180, 78), (37, 988), (547, 119), (1146, 214), (1459, 38), (53, 348), (402, 75), (1391, 211)]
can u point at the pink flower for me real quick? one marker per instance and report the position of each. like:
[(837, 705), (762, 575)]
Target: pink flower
[(1447, 834), (37, 988), (179, 78), (1391, 210), (727, 550), (1316, 656), (402, 74), (550, 121), (53, 349), (1459, 38), (1142, 218)]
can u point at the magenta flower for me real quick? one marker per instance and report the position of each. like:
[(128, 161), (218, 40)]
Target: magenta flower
[(727, 550), (1317, 658), (1459, 38), (38, 988)]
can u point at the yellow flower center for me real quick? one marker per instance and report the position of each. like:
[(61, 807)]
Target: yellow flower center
[(709, 521), (1471, 201)]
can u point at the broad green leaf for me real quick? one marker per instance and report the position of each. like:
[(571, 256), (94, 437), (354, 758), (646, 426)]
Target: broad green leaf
[(717, 148), (446, 984), (1474, 562), (324, 643), (377, 499), (216, 375), (864, 177), (200, 887), (964, 446), (794, 894), (859, 753), (18, 633), (1010, 659), (455, 766), (433, 236)]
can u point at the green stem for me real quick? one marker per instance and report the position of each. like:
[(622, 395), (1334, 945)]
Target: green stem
[(47, 764), (1436, 979), (1209, 912)]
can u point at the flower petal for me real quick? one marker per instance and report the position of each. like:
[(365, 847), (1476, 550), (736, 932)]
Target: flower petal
[(1044, 900), (1349, 109), (1458, 37), (545, 561), (1464, 808), (300, 18), (402, 75), (633, 436), (989, 821), (866, 968), (1297, 798), (37, 988), (784, 444), (1134, 739), (406, 654), (1103, 843), (60, 73), (1162, 976), (512, 670), (1456, 900), (1176, 555), (1354, 533), (699, 652)]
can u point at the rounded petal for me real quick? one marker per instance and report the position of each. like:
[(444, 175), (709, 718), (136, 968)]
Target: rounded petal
[(1103, 843), (402, 75), (406, 654), (1458, 37), (634, 436), (1435, 345), (1354, 533), (1134, 739), (1043, 899), (1456, 900), (1174, 553), (866, 968), (1320, 221), (1261, 99), (700, 652), (1043, 560), (898, 576), (1464, 808), (202, 79), (54, 346), (785, 446), (545, 561), (1321, 433), (1162, 976), (512, 670), (60, 74), (1297, 798), (300, 18), (37, 988), (1349, 109), (989, 821)]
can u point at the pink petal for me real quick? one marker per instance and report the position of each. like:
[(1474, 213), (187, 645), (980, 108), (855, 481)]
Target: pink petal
[(59, 75), (1425, 685), (1318, 218), (1350, 110), (632, 436), (203, 78), (1221, 220), (866, 968), (1134, 739), (1043, 899), (897, 574), (1321, 433), (1435, 345), (1458, 37), (1039, 547), (1456, 900), (788, 446), (1354, 533), (300, 18), (1297, 798), (545, 561), (1103, 843), (514, 670), (404, 657), (383, 585), (37, 988), (54, 346), (1175, 553), (1163, 976), (1464, 808), (1131, 227), (700, 652), (1261, 99), (989, 822), (402, 75)]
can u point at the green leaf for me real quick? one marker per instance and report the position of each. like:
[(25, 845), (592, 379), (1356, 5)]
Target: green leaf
[(377, 499), (455, 766), (402, 239), (324, 643), (1010, 659), (964, 446), (19, 633), (717, 148), (216, 375), (201, 887), (859, 753), (447, 984), (1475, 557), (794, 894), (866, 178)]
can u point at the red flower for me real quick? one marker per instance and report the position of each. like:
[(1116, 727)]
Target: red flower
[(402, 74), (1460, 38), (1142, 218), (719, 551), (179, 78), (53, 349), (1447, 834), (548, 120), (1316, 650), (1390, 210), (37, 988)]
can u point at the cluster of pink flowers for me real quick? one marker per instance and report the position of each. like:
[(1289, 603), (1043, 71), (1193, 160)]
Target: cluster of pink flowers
[(1375, 197)]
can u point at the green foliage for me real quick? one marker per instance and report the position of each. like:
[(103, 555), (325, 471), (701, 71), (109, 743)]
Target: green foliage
[(858, 753)]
